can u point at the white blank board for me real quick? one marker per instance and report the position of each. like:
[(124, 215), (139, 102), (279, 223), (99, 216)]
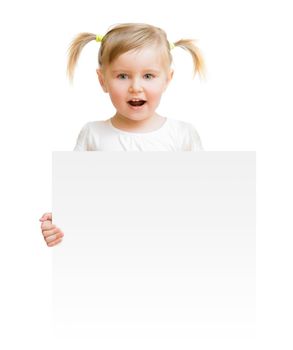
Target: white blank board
[(159, 248)]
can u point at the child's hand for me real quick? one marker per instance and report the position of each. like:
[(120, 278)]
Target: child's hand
[(52, 234)]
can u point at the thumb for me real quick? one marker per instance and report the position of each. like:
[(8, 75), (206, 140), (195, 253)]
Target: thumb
[(46, 216)]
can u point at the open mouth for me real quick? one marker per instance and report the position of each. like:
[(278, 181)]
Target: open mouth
[(136, 102)]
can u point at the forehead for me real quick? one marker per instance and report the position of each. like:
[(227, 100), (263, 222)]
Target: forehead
[(145, 58)]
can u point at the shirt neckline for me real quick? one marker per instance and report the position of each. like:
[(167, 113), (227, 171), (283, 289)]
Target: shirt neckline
[(137, 133)]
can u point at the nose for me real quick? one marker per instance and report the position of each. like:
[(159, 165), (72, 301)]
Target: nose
[(135, 85)]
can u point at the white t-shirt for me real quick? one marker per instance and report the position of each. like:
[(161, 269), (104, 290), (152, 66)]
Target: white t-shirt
[(173, 135)]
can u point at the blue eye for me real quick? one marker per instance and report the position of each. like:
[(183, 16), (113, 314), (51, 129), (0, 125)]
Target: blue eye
[(122, 76), (149, 76)]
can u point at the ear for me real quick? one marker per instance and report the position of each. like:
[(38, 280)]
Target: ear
[(169, 78), (102, 79)]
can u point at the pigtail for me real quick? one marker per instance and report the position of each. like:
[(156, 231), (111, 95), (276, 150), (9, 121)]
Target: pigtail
[(74, 51), (198, 61)]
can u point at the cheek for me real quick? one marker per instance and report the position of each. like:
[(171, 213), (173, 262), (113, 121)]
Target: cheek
[(114, 98), (157, 91), (117, 95), (115, 90)]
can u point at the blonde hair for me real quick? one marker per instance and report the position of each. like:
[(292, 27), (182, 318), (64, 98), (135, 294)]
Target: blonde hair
[(131, 36)]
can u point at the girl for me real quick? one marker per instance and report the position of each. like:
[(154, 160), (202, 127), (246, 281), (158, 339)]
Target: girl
[(135, 70)]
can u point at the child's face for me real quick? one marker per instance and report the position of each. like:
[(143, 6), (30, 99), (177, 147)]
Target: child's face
[(135, 82)]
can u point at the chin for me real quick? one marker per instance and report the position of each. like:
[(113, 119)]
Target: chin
[(137, 117)]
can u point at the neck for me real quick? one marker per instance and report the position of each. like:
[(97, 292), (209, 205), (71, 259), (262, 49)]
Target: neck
[(145, 125)]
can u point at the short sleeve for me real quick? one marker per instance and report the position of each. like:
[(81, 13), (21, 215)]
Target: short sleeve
[(195, 141), (192, 140), (83, 139)]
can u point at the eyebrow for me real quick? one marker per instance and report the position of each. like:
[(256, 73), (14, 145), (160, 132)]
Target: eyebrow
[(129, 71)]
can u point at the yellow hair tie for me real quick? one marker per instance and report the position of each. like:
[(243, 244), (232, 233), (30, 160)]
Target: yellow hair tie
[(99, 38), (172, 45)]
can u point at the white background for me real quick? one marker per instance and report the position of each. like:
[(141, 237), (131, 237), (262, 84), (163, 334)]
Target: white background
[(243, 105)]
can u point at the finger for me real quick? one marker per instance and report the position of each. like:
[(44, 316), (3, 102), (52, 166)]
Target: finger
[(52, 244), (53, 234), (54, 231), (47, 225), (54, 237), (46, 216)]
